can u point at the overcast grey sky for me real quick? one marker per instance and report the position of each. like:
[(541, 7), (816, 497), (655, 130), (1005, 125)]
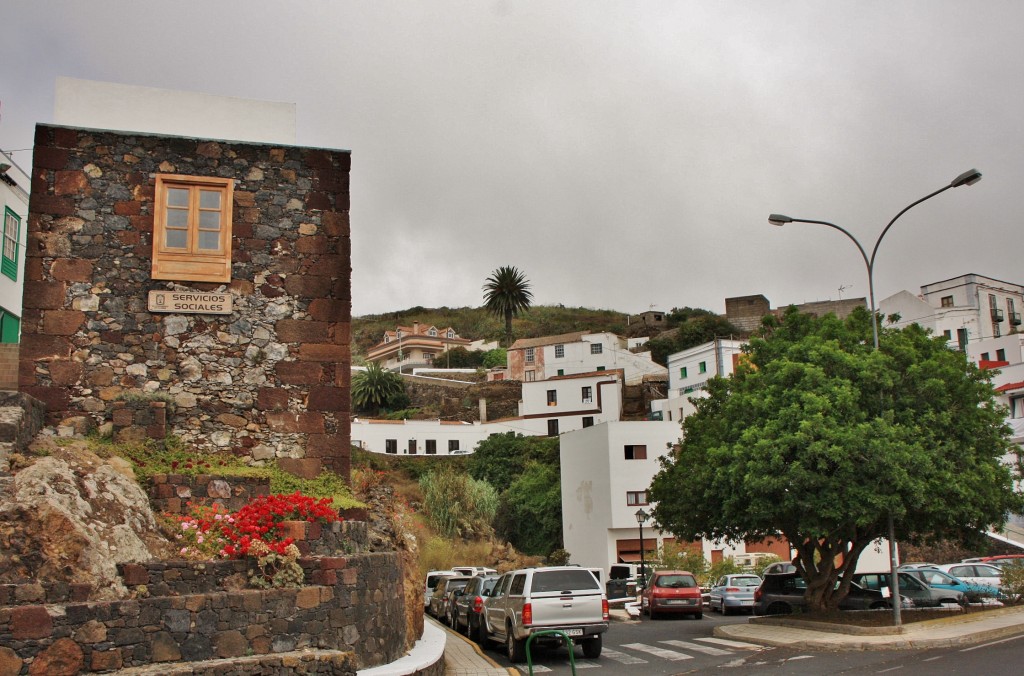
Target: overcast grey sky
[(622, 154)]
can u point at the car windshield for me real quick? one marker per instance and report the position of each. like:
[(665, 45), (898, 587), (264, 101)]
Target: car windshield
[(938, 577), (564, 580), (675, 581), (748, 581), (456, 584)]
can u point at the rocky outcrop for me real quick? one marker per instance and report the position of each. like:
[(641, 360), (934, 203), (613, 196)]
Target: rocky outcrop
[(71, 517)]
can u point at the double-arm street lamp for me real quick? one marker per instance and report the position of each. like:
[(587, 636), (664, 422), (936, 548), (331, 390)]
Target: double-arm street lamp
[(967, 178)]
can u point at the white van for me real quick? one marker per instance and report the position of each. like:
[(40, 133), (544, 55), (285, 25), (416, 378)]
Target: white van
[(431, 581), (473, 570)]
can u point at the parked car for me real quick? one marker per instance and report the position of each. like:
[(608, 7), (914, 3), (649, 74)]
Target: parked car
[(470, 571), (441, 596), (431, 581), (912, 588), (530, 600), (672, 591), (779, 568), (933, 577), (998, 559), (628, 576), (783, 594), (976, 573), (469, 602), (733, 592)]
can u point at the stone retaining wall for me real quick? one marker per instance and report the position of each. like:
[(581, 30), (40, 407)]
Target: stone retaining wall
[(362, 610)]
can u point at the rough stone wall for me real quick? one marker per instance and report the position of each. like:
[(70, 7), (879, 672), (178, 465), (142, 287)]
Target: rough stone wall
[(269, 380), (8, 366), (746, 312), (361, 611)]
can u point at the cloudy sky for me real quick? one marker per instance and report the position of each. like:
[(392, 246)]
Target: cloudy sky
[(623, 154)]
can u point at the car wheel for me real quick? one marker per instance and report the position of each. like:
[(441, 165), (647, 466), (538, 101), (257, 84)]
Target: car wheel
[(722, 609), (514, 648), (699, 616), (591, 647), (878, 605), (481, 635)]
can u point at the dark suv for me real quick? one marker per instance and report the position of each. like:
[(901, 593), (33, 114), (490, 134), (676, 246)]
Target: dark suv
[(783, 594), (469, 603)]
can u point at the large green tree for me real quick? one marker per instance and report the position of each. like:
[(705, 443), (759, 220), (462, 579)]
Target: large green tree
[(507, 294), (525, 471), (819, 437), (376, 388)]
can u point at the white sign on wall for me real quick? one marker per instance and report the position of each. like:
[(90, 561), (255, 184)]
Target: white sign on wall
[(190, 302)]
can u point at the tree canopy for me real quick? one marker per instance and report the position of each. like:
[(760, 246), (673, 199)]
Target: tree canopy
[(525, 472), (507, 294), (819, 437)]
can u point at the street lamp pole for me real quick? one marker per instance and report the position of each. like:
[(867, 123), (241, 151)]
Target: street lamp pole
[(967, 178), (641, 517)]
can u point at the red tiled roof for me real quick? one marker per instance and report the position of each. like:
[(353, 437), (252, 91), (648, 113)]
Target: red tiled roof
[(1010, 386)]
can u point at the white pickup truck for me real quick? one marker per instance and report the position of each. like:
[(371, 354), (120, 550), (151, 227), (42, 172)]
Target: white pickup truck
[(527, 601)]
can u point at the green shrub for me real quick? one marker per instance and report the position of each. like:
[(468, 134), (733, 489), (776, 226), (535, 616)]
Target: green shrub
[(456, 504), (1013, 582)]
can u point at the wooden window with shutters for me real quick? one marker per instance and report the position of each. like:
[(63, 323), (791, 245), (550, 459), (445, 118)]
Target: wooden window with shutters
[(192, 228)]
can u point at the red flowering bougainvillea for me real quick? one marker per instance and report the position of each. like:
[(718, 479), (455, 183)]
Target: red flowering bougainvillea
[(211, 530)]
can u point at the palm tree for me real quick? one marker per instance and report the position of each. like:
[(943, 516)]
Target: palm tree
[(506, 294), (375, 387)]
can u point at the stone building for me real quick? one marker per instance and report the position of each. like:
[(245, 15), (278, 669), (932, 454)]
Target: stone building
[(212, 275)]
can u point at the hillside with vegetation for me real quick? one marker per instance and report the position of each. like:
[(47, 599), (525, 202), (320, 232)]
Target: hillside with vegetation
[(476, 323), (687, 326)]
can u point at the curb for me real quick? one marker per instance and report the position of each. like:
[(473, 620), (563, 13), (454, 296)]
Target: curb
[(910, 638)]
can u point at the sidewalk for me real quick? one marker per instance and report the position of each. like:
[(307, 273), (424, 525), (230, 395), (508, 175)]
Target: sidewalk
[(944, 633), (463, 657)]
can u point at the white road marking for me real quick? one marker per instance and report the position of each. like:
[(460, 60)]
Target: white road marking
[(537, 668), (706, 649), (731, 644), (664, 654), (985, 645), (621, 658)]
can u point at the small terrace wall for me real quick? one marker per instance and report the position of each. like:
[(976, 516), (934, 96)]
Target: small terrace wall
[(357, 607)]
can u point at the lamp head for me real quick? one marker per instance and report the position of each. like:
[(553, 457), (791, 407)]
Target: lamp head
[(4, 167), (641, 516), (967, 178), (779, 219)]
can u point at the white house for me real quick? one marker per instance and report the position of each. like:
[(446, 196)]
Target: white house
[(964, 309), (531, 359), (14, 185), (548, 408), (606, 471)]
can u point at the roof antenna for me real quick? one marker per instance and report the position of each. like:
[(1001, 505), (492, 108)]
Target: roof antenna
[(844, 288)]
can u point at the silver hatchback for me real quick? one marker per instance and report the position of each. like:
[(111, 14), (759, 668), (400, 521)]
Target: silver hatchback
[(734, 592)]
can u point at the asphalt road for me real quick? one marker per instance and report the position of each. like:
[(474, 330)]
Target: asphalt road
[(666, 647)]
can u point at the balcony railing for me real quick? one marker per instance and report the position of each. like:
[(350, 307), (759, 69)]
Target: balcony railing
[(997, 315), (1015, 319)]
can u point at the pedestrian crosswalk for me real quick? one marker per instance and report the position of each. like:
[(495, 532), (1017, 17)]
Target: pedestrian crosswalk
[(643, 653)]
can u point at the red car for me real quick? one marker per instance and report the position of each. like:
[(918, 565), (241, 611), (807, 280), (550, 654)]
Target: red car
[(672, 591)]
